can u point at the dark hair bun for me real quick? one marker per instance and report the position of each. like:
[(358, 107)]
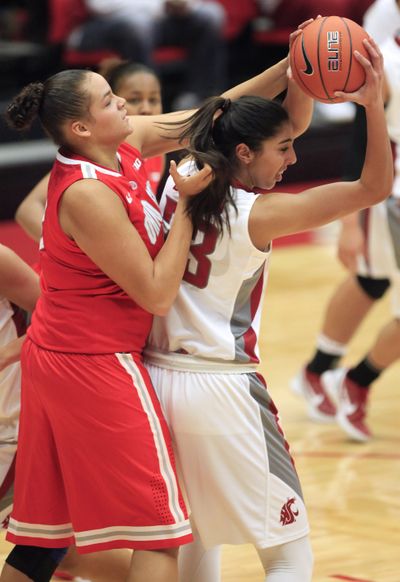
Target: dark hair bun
[(25, 106)]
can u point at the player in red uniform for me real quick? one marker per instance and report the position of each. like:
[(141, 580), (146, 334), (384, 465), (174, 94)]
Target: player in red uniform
[(141, 88), (105, 477)]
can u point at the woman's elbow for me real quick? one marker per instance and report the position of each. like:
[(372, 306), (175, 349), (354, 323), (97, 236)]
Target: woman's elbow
[(384, 191), (379, 192), (162, 310), (157, 306), (162, 306), (19, 215)]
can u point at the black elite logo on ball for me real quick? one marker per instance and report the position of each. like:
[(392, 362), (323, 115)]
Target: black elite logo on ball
[(334, 48)]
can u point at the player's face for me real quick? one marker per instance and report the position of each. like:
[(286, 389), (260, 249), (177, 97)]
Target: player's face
[(142, 92), (109, 116), (269, 164)]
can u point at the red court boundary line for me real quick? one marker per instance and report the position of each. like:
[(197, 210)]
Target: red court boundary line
[(337, 455), (348, 578)]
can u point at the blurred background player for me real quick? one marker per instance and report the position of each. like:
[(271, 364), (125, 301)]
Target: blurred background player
[(369, 247)]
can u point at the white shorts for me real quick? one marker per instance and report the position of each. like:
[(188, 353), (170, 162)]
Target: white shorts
[(239, 477), (381, 224)]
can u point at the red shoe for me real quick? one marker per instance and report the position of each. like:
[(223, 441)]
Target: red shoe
[(351, 400), (310, 387)]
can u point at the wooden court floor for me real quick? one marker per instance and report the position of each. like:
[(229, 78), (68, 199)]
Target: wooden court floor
[(351, 490)]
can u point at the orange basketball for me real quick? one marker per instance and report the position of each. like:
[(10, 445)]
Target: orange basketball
[(322, 58)]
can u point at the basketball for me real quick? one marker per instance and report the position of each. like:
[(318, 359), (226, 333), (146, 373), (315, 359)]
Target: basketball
[(322, 58)]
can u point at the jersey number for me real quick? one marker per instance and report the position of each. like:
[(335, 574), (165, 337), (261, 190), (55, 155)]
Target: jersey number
[(198, 267)]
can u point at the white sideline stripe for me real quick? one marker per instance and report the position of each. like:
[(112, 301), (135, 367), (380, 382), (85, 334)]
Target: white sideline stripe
[(166, 469)]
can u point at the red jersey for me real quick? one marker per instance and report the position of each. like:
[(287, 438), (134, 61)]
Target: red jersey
[(81, 310), (154, 168)]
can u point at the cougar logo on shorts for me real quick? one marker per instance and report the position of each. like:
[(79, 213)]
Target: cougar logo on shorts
[(152, 221), (289, 514)]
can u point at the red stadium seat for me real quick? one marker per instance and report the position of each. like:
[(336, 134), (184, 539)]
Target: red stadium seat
[(65, 15)]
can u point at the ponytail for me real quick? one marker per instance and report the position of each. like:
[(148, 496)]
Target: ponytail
[(212, 205), (213, 133), (25, 107)]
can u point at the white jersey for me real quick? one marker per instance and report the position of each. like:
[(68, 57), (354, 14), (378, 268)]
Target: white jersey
[(216, 315), (391, 54)]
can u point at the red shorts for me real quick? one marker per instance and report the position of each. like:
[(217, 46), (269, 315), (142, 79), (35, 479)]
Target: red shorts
[(95, 466)]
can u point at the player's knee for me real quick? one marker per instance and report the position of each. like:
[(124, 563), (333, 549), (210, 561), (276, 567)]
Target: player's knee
[(373, 288), (38, 564)]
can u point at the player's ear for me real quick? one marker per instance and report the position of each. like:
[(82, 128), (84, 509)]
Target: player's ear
[(79, 129), (243, 153)]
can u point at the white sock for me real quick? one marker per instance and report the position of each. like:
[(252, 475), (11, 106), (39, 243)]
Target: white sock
[(330, 346)]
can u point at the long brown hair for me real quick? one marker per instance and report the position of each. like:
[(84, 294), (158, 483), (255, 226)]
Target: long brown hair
[(213, 140)]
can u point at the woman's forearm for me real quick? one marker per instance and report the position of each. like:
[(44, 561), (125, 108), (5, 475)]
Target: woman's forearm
[(268, 84)]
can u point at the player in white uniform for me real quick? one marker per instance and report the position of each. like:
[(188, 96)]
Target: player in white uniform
[(369, 247), (239, 477)]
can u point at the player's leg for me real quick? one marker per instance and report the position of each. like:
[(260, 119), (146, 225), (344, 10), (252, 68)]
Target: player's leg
[(11, 574), (349, 305), (154, 565), (386, 349), (108, 565), (351, 388), (290, 562), (31, 563)]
